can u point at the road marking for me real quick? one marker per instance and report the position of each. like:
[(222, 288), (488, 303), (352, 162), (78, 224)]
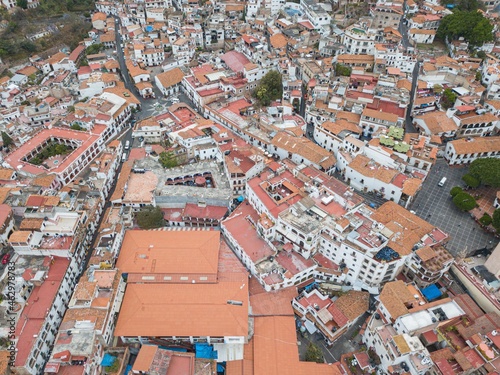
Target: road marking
[(328, 350)]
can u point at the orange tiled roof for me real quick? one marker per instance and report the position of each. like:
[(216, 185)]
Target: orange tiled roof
[(150, 252), (185, 309)]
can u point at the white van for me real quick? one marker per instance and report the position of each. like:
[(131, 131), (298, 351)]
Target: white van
[(127, 145), (124, 156), (442, 182)]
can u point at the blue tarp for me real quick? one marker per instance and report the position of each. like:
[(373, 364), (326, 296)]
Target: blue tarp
[(107, 360), (127, 369), (241, 198), (221, 368), (431, 293), (205, 351), (149, 28)]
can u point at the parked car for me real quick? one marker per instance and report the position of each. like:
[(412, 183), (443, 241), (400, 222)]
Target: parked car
[(5, 259)]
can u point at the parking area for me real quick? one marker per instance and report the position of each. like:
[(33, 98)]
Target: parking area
[(434, 204)]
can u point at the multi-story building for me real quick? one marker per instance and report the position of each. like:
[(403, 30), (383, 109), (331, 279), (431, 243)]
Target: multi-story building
[(84, 147), (466, 150), (373, 121), (386, 16), (331, 318), (358, 39), (402, 316), (427, 265), (154, 266), (42, 311), (6, 222), (317, 15), (472, 122)]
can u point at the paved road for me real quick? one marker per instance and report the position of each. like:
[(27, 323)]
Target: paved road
[(125, 136), (434, 204), (414, 82), (149, 107), (347, 343)]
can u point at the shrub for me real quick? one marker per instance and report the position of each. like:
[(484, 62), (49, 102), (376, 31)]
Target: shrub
[(150, 217), (496, 219), (464, 201), (455, 190), (485, 220), (471, 181)]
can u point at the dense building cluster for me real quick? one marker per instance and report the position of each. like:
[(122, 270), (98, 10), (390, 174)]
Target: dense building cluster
[(205, 187)]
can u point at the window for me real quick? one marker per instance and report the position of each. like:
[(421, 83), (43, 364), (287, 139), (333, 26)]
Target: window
[(166, 278), (148, 278), (184, 278), (203, 278)]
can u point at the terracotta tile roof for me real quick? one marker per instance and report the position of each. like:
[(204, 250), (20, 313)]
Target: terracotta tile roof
[(273, 303), (278, 40), (305, 148), (44, 180), (31, 224), (394, 295), (6, 174), (150, 252), (368, 168), (27, 70), (19, 236), (145, 358), (4, 361), (185, 310), (437, 122), (422, 31), (275, 350), (425, 253), (411, 186), (380, 115), (4, 193), (471, 309), (170, 78), (353, 304), (341, 125), (410, 227), (347, 58), (476, 145)]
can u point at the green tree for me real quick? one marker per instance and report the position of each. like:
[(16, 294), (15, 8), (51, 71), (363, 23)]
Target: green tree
[(437, 88), (479, 76), (168, 160), (464, 201), (6, 139), (448, 99), (470, 180), (342, 70), (496, 219), (455, 190), (76, 127), (150, 217), (94, 48), (486, 170), (481, 54), (22, 4), (471, 25), (314, 354), (485, 220), (270, 88)]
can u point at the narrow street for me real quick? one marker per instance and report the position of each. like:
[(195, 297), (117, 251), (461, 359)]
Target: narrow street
[(148, 106), (414, 84)]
